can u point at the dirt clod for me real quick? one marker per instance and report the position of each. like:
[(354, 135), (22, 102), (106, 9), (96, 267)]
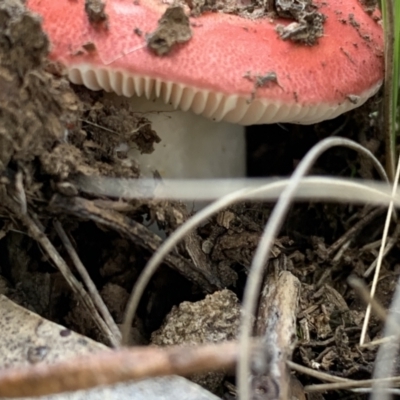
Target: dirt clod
[(173, 28), (95, 10), (212, 320), (308, 25), (306, 28), (33, 104)]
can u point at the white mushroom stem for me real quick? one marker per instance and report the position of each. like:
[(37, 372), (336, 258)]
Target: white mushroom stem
[(191, 146)]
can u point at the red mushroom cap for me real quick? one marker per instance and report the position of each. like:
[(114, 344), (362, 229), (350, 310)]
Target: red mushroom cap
[(210, 73)]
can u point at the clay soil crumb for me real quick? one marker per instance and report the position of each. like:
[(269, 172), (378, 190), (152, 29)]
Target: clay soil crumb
[(50, 133)]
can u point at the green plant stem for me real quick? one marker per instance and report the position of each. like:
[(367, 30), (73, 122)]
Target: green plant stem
[(390, 92)]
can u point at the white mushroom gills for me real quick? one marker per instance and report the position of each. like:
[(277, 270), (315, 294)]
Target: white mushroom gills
[(191, 146), (195, 144), (216, 106)]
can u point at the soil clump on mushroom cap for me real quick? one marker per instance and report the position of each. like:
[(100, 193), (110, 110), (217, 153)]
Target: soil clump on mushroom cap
[(174, 26), (95, 10), (50, 132), (369, 5), (306, 26)]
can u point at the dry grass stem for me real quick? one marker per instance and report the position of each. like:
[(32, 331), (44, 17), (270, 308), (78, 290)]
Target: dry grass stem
[(381, 252), (394, 381), (378, 342)]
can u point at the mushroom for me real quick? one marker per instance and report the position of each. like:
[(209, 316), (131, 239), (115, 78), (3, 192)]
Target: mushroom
[(233, 71)]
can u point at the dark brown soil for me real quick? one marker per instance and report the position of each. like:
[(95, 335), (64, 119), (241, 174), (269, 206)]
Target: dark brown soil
[(51, 132)]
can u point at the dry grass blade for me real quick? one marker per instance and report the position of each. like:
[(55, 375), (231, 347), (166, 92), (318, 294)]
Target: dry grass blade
[(311, 188), (381, 253), (189, 189), (199, 190), (394, 381), (378, 342)]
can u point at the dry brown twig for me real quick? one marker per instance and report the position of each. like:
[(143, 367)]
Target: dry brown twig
[(115, 366), (91, 287), (276, 325), (394, 381), (139, 234), (19, 209), (35, 231)]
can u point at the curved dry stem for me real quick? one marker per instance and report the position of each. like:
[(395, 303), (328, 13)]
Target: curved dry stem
[(182, 189), (263, 250), (312, 187), (347, 191), (164, 249)]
